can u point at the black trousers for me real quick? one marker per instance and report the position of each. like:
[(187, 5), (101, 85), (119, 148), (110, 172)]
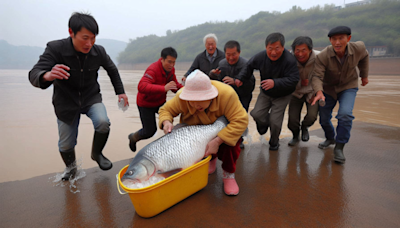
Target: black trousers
[(148, 119)]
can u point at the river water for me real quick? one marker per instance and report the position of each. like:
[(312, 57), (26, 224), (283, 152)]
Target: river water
[(29, 134)]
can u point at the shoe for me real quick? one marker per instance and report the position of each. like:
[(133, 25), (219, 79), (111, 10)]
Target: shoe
[(133, 139), (261, 129), (295, 139), (212, 166), (293, 142), (231, 188), (305, 136), (69, 160), (326, 143), (274, 147), (338, 155), (99, 141)]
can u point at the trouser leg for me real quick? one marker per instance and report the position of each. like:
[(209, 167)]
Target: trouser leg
[(98, 114), (311, 116), (229, 155), (148, 119), (295, 107), (276, 117), (325, 116), (345, 114), (260, 113)]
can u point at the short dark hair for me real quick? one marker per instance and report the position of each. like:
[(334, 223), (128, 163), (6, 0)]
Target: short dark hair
[(232, 44), (79, 20), (274, 37), (302, 40), (169, 51)]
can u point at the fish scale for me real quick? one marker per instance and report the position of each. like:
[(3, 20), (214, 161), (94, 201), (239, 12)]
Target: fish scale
[(179, 149), (183, 148)]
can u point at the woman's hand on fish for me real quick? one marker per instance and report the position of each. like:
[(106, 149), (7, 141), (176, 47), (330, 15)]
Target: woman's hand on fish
[(213, 146), (167, 126)]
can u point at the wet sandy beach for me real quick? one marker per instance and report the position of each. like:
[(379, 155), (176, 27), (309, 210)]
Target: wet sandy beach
[(293, 187)]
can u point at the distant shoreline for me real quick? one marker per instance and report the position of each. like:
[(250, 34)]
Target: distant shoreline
[(377, 66)]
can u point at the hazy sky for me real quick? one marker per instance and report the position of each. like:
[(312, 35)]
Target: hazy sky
[(35, 22)]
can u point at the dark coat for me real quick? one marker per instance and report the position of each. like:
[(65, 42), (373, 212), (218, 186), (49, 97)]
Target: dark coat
[(202, 63), (233, 71), (81, 90), (283, 71)]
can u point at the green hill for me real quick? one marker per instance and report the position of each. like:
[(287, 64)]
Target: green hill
[(377, 24)]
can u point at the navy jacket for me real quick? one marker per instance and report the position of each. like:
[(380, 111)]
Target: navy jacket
[(81, 90), (283, 71)]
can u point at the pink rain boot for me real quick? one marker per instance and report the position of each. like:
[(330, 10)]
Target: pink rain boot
[(212, 166), (230, 186)]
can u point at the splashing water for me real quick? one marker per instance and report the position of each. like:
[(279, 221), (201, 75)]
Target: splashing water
[(80, 173), (263, 140), (152, 180)]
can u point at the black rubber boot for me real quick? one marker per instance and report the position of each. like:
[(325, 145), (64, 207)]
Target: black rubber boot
[(338, 155), (69, 160), (295, 139), (326, 143), (133, 139), (99, 141), (305, 136)]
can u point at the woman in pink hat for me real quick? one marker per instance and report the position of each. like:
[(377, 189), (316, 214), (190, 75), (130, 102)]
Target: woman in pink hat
[(202, 101)]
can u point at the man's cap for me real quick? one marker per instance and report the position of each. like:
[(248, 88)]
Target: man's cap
[(339, 30)]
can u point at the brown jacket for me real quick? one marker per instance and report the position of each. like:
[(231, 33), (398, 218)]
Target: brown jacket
[(225, 104), (306, 72), (332, 77)]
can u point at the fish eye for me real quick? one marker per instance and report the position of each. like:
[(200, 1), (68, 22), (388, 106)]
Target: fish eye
[(130, 172)]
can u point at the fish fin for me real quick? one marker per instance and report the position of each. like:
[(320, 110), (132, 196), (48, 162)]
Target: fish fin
[(169, 173)]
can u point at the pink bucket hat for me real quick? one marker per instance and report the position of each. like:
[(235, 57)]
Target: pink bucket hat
[(198, 87)]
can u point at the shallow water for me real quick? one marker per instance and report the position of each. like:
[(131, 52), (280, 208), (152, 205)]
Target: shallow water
[(29, 135)]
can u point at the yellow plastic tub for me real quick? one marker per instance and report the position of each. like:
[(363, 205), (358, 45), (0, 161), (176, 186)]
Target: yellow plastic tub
[(154, 199)]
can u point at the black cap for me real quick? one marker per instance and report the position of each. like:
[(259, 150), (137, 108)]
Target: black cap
[(339, 30)]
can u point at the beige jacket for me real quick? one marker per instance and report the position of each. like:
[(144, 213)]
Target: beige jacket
[(306, 72), (225, 104), (332, 77)]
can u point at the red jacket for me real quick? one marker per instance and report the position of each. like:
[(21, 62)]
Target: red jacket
[(151, 91)]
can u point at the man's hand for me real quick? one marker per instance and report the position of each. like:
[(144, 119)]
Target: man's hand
[(59, 71), (170, 86), (213, 146), (216, 71), (364, 81), (267, 84), (318, 96), (120, 96), (238, 82), (183, 79), (228, 80), (167, 126)]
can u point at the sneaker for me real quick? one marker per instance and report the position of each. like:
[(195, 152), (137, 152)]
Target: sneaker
[(230, 186), (212, 166)]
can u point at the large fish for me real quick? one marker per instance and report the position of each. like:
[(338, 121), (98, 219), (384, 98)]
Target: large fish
[(177, 150)]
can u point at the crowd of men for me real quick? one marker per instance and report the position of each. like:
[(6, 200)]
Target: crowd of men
[(218, 83)]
